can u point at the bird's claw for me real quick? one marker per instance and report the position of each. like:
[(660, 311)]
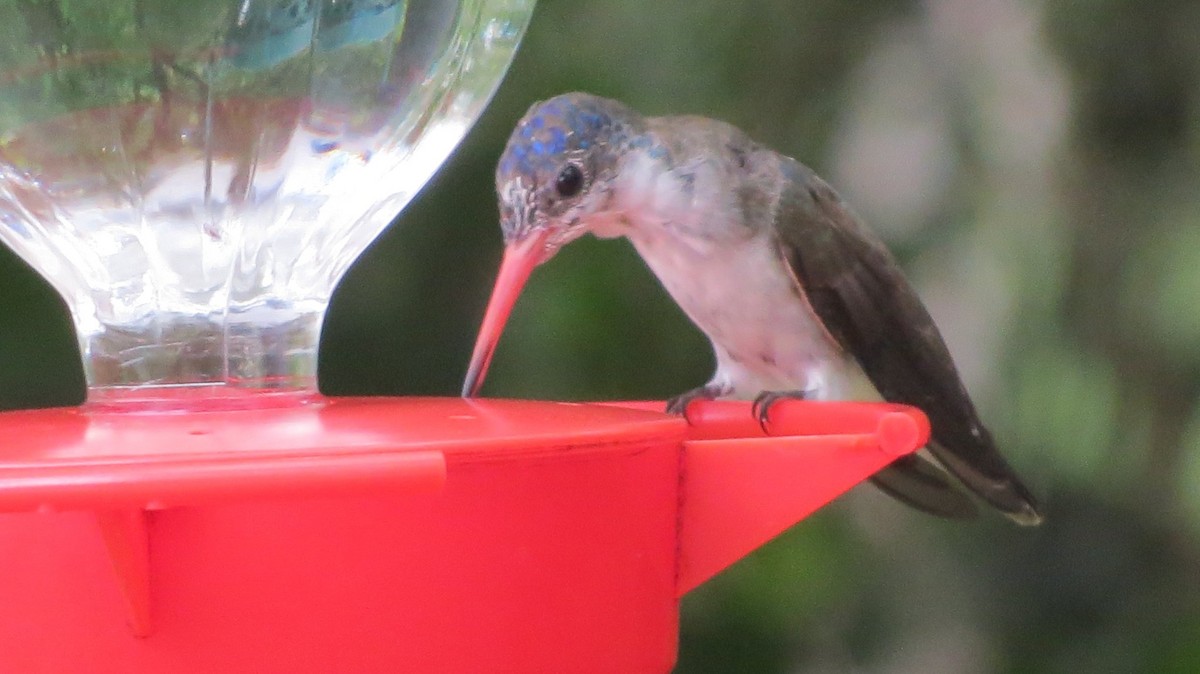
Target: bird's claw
[(679, 404), (761, 409)]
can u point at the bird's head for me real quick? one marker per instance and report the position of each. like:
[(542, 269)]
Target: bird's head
[(554, 183)]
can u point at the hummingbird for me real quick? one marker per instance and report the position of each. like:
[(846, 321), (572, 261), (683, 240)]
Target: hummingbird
[(798, 297)]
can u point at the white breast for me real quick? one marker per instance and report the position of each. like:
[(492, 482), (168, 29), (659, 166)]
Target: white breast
[(765, 336), (732, 282)]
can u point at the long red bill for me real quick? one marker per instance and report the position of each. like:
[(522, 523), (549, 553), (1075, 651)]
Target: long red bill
[(520, 257)]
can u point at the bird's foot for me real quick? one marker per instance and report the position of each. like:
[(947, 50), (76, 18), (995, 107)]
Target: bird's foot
[(679, 404), (761, 409)]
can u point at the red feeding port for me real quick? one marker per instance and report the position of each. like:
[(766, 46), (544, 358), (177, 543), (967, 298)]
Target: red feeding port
[(383, 535)]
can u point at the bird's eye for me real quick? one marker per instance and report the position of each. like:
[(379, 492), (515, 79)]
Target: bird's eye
[(570, 181)]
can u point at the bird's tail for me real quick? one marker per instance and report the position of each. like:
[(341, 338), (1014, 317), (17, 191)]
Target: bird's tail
[(995, 483), (920, 484)]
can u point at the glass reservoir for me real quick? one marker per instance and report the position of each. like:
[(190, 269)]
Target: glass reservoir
[(195, 177)]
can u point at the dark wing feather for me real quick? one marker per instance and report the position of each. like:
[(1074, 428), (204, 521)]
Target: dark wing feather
[(857, 289), (920, 484)]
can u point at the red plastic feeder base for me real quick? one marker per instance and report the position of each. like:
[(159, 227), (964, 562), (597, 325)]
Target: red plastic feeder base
[(382, 535)]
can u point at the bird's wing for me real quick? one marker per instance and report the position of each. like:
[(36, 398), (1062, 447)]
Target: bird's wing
[(858, 291), (919, 483)]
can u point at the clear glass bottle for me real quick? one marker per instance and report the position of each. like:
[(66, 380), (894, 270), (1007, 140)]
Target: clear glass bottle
[(195, 177)]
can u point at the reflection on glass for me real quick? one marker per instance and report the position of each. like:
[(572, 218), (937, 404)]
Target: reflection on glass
[(194, 177)]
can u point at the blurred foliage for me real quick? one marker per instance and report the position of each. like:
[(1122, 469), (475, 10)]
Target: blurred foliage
[(1035, 166)]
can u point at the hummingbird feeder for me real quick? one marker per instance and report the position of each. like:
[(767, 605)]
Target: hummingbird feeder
[(193, 179)]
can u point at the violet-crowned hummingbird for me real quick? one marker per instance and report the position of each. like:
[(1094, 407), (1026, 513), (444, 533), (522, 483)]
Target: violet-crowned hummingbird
[(798, 297)]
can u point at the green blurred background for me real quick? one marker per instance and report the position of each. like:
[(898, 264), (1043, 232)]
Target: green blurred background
[(1034, 165)]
